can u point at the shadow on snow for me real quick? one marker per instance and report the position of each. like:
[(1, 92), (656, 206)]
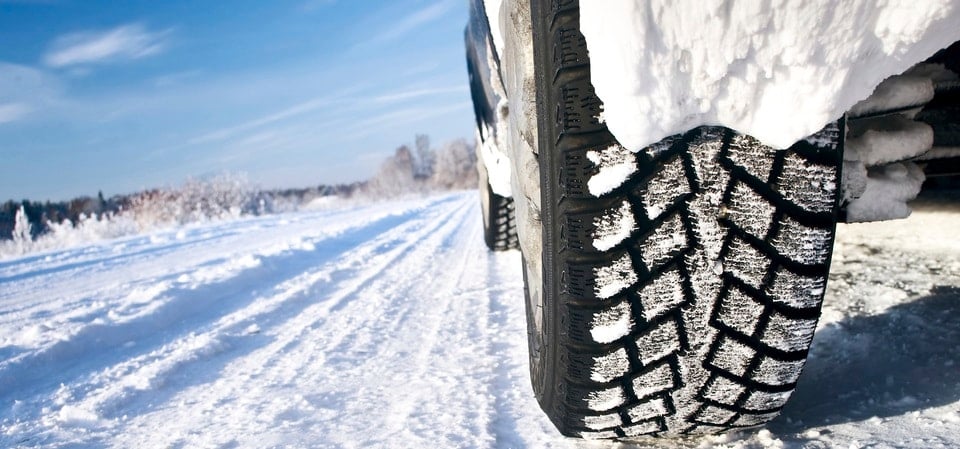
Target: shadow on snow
[(906, 359)]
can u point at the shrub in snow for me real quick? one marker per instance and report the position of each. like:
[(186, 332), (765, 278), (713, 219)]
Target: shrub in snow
[(219, 197)]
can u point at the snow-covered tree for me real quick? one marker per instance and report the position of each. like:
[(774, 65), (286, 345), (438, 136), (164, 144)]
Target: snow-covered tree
[(426, 157), (22, 238), (396, 175), (456, 166), (22, 228)]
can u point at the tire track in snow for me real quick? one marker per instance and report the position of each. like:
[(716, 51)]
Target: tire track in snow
[(30, 296), (380, 252), (19, 377), (321, 370)]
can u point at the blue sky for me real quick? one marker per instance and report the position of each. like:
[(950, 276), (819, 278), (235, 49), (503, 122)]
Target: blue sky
[(121, 96)]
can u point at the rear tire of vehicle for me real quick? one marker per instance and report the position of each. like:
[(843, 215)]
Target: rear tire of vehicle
[(499, 219), (682, 283)]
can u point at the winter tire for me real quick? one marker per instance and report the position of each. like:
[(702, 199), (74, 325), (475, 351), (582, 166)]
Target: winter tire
[(499, 218), (682, 283)]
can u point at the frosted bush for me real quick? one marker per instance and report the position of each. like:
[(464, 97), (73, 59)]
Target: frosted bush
[(220, 197)]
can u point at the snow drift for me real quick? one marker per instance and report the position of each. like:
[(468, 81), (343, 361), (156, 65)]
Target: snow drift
[(778, 71)]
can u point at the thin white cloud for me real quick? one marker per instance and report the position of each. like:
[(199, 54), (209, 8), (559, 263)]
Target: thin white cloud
[(302, 108), (315, 104), (410, 94), (10, 112), (132, 41), (401, 116), (414, 21), (25, 90)]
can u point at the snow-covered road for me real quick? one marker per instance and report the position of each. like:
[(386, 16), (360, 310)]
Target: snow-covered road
[(390, 325)]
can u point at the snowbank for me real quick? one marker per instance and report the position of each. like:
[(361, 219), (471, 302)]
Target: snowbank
[(778, 71)]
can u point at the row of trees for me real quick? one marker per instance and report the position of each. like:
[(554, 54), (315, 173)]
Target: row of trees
[(40, 215), (425, 169), (408, 171), (219, 196)]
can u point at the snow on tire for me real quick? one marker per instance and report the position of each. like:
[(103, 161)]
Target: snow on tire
[(682, 284)]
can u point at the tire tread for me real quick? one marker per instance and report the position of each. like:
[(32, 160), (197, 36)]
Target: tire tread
[(745, 377)]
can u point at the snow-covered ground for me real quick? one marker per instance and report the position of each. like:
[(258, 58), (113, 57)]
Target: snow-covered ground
[(390, 325)]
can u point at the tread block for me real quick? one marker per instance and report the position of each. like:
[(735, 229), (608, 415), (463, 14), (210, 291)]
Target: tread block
[(611, 324), (574, 173), (794, 290), (732, 356), (577, 281), (739, 311), (803, 244), (605, 435), (657, 149), (601, 422), (644, 428), (786, 334), (613, 167), (775, 372), (797, 178), (665, 188), (579, 108), (611, 279), (762, 400), (712, 414), (570, 48), (723, 390), (602, 400), (750, 419), (600, 231), (751, 155), (609, 367), (658, 342), (746, 263), (577, 232), (662, 294), (653, 408), (749, 211), (666, 241), (654, 381), (706, 143), (705, 429)]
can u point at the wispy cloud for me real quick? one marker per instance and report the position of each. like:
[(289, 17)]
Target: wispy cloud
[(416, 93), (414, 21), (25, 90), (316, 104), (298, 109), (132, 41), (12, 111)]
